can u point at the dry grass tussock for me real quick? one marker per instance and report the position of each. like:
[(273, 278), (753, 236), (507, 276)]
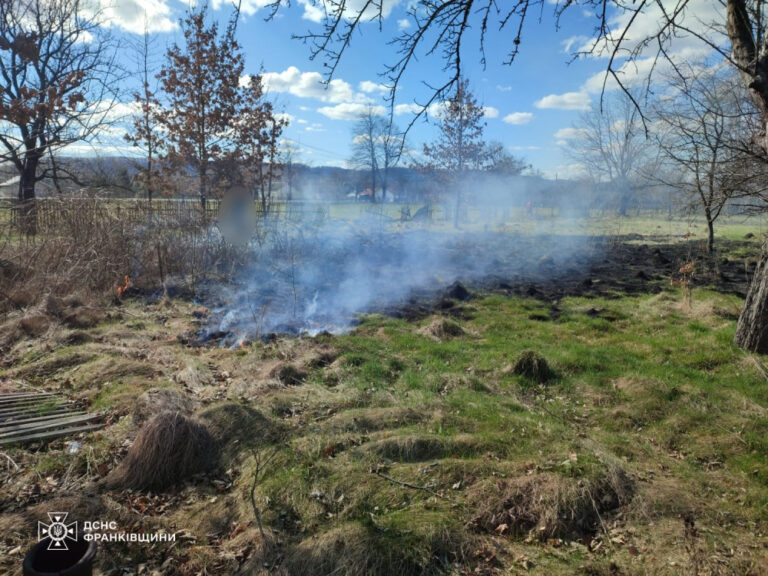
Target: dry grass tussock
[(89, 247), (353, 549), (158, 400), (533, 366), (550, 506), (168, 449), (442, 329)]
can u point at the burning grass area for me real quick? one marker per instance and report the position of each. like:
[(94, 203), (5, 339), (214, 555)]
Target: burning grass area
[(422, 444)]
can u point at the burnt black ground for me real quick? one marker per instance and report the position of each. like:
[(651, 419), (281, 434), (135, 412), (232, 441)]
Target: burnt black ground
[(546, 268)]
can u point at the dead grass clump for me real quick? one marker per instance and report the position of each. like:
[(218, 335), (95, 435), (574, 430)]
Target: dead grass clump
[(323, 359), (46, 368), (551, 506), (157, 400), (352, 549), (408, 448), (457, 291), (72, 312), (373, 419), (168, 449), (75, 338), (17, 328), (35, 325), (235, 427), (289, 375), (442, 329), (533, 366)]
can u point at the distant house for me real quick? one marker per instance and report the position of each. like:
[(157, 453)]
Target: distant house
[(9, 187), (365, 196)]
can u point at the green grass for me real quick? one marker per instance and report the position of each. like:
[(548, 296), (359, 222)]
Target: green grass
[(423, 452), (660, 387)]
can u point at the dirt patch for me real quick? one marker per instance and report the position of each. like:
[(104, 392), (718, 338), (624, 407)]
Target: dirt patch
[(550, 506), (168, 449)]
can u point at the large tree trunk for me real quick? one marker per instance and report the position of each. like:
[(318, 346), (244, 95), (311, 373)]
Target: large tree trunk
[(752, 330), (27, 180)]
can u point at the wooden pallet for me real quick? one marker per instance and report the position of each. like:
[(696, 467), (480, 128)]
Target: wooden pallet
[(37, 416)]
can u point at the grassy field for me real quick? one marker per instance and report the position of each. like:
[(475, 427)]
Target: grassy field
[(425, 447)]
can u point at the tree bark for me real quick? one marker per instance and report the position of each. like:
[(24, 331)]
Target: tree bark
[(752, 330), (27, 180)]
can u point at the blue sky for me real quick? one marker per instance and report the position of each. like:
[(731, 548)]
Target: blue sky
[(532, 105)]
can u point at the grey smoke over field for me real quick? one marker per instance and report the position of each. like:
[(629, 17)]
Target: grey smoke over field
[(318, 274)]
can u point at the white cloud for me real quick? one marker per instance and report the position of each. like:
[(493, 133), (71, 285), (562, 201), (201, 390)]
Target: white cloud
[(403, 24), (697, 15), (567, 101), (568, 133), (312, 11), (248, 7), (311, 85), (518, 118), (367, 86), (501, 88), (412, 108), (314, 127), (350, 110), (138, 15), (315, 10), (490, 112)]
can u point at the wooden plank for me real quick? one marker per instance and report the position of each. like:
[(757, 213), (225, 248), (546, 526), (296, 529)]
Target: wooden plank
[(25, 399), (50, 435), (32, 414), (15, 395), (25, 402), (47, 425), (32, 400), (61, 414), (46, 404), (32, 408), (31, 411)]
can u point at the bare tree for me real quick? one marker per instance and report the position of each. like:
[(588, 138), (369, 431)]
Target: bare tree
[(366, 134), (460, 146), (610, 142), (57, 87), (145, 134), (700, 125), (391, 144)]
